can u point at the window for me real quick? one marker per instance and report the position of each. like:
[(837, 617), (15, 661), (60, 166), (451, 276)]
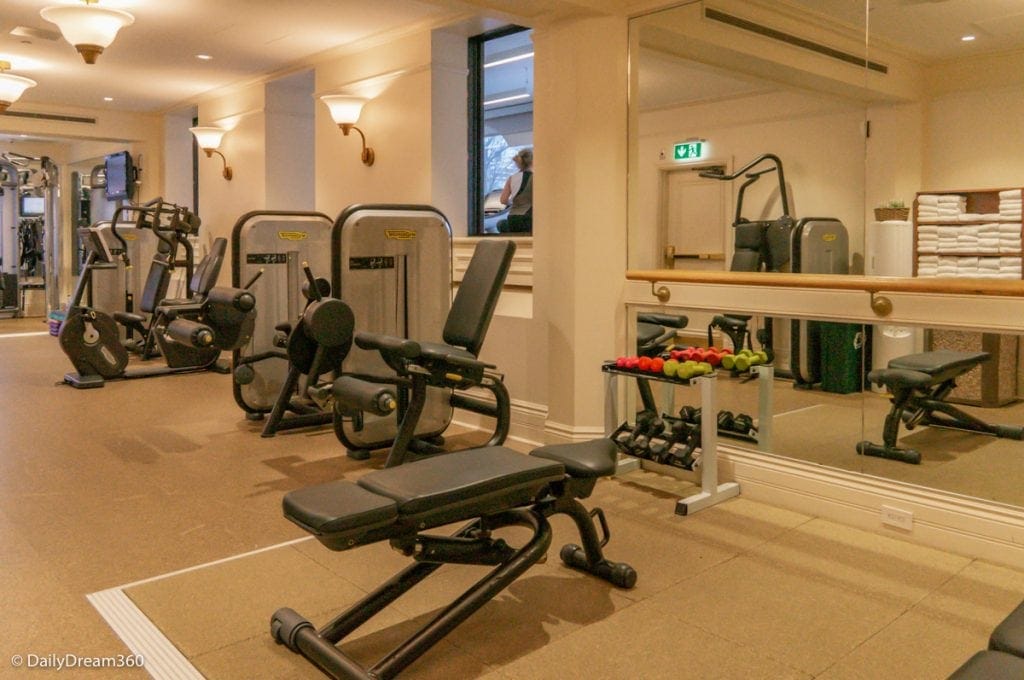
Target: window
[(500, 120)]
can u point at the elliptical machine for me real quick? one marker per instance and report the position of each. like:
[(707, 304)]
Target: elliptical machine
[(191, 333)]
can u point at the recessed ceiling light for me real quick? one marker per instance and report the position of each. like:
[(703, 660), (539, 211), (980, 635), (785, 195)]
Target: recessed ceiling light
[(204, 57), (108, 99), (967, 38)]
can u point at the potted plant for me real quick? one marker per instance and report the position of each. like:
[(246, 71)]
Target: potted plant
[(893, 210)]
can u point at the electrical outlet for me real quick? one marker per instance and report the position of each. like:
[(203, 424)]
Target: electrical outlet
[(894, 517)]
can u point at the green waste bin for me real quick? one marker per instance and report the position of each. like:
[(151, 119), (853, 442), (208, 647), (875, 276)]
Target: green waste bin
[(842, 357)]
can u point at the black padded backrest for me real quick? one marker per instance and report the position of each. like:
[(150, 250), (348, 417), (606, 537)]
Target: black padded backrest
[(478, 293), (157, 281), (204, 278)]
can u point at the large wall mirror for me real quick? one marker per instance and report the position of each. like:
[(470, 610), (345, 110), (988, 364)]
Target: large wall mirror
[(851, 107)]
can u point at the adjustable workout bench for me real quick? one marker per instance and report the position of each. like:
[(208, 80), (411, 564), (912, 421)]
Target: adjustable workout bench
[(1004, 658), (919, 384), (491, 487)]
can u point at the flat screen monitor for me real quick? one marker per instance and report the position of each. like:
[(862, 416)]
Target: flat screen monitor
[(120, 176), (31, 206)]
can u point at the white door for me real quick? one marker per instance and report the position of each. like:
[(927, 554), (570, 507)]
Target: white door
[(694, 226)]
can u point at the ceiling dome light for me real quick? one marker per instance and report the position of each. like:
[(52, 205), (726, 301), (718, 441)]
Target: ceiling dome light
[(88, 27), (968, 38), (11, 86)]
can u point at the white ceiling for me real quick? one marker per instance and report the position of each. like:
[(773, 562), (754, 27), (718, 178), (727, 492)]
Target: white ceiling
[(930, 29), (152, 66), (666, 80)]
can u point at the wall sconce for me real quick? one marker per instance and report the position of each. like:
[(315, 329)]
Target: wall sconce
[(11, 86), (345, 111), (208, 139), (89, 27)]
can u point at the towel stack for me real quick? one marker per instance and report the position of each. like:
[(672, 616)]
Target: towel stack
[(1010, 204), (989, 238), (949, 266), (940, 207)]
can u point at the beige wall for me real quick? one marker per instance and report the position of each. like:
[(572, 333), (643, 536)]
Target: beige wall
[(396, 122), (974, 140), (221, 202), (819, 140), (579, 215)]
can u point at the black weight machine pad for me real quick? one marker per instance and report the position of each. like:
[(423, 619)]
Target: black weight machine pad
[(989, 665), (1008, 636), (416, 496)]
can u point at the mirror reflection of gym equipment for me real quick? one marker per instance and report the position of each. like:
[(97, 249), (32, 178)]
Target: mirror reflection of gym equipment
[(29, 211)]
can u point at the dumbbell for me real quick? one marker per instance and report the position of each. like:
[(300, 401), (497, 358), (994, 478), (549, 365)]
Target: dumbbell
[(743, 424), (658, 449), (726, 421), (681, 454), (690, 414)]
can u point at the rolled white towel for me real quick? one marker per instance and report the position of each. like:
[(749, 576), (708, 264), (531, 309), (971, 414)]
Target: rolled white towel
[(927, 199), (1011, 193)]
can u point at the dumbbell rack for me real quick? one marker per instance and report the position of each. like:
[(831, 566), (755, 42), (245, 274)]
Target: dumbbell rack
[(711, 491)]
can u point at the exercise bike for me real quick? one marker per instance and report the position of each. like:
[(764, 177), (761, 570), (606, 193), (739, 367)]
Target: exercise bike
[(191, 333)]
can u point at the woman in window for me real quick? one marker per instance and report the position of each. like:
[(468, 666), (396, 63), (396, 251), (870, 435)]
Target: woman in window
[(518, 195)]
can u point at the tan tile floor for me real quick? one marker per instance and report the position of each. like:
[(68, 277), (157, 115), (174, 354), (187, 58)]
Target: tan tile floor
[(141, 478)]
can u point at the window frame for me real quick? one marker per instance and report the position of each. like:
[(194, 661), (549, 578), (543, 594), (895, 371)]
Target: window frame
[(475, 125)]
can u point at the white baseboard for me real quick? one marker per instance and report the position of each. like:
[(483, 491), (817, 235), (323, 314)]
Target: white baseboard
[(527, 426), (959, 524)]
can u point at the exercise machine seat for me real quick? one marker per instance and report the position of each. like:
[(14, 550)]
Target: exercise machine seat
[(157, 281), (204, 278), (413, 497), (939, 366), (1008, 636), (989, 665), (654, 331), (597, 460), (919, 384), (492, 487), (473, 307)]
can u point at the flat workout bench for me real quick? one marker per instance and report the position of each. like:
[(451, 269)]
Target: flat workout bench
[(919, 384), (492, 487)]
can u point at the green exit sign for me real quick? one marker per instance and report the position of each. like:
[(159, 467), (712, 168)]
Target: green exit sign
[(689, 151)]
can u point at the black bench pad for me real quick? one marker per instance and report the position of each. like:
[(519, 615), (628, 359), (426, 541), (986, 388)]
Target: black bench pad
[(899, 377), (939, 361), (1008, 636), (428, 493), (470, 483), (990, 665), (583, 460), (919, 371), (337, 507)]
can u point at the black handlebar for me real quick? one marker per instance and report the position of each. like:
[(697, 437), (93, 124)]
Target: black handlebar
[(407, 349), (752, 177)]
